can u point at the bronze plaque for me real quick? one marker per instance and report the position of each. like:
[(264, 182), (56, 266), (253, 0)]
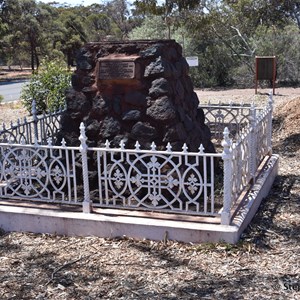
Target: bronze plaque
[(116, 69)]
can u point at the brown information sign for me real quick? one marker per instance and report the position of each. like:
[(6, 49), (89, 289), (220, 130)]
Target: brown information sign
[(116, 69), (265, 70)]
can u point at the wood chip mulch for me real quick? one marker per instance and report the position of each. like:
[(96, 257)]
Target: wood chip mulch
[(265, 264)]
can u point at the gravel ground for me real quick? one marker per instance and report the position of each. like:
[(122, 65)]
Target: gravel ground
[(263, 265)]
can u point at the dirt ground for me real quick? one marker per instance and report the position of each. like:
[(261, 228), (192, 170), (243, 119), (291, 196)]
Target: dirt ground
[(263, 265)]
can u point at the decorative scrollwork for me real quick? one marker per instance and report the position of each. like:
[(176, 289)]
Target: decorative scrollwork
[(31, 173)]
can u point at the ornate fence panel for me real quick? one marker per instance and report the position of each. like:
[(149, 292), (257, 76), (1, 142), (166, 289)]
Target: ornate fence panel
[(156, 180), (38, 129), (44, 173), (263, 132), (241, 163), (233, 116)]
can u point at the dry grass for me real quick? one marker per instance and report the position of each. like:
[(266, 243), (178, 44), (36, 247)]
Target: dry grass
[(263, 265)]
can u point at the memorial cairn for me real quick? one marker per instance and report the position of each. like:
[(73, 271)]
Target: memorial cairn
[(133, 91)]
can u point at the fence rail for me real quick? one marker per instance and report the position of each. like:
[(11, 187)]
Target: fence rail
[(166, 181), (38, 129), (233, 116)]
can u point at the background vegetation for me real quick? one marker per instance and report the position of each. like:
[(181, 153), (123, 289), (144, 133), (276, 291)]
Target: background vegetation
[(226, 35), (47, 87)]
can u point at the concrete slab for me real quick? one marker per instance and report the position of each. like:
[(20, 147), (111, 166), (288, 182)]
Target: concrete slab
[(43, 219)]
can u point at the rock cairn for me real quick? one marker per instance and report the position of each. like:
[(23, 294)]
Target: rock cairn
[(134, 91)]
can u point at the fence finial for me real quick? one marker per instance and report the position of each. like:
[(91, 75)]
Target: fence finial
[(201, 148), (137, 145), (226, 143), (153, 147), (122, 145), (185, 148), (82, 136), (169, 147), (107, 143)]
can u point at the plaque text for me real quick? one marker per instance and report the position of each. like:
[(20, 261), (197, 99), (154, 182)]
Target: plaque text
[(116, 69)]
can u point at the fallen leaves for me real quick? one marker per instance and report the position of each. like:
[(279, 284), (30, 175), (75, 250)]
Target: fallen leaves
[(42, 266)]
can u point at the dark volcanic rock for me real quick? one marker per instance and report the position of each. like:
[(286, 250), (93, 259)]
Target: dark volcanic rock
[(160, 87), (143, 132), (162, 110), (144, 93), (132, 115), (110, 128)]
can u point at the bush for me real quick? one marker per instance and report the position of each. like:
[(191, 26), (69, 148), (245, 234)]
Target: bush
[(47, 87), (1, 98)]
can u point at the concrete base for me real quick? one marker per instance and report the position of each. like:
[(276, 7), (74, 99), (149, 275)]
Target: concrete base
[(112, 223)]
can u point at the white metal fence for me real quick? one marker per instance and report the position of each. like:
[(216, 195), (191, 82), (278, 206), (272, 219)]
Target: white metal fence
[(38, 129), (186, 182)]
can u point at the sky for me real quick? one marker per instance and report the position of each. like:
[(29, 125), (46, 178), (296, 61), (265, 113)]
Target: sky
[(75, 2), (82, 2)]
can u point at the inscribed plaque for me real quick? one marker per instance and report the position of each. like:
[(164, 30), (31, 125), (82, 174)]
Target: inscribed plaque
[(116, 69)]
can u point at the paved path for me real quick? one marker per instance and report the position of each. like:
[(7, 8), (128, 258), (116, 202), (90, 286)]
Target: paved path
[(11, 90)]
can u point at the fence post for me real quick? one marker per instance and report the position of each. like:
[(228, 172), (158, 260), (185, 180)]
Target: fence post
[(35, 121), (86, 204), (269, 125), (253, 142), (227, 158)]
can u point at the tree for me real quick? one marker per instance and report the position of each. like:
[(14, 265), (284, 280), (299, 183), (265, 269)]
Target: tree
[(285, 45), (73, 34), (170, 10), (118, 12), (152, 28), (26, 21)]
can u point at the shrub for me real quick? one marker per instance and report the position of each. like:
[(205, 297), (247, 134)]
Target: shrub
[(47, 87)]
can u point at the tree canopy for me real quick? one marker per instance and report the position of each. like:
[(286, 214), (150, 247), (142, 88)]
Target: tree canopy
[(226, 35)]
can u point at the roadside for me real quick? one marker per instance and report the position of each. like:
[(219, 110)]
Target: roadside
[(11, 83), (14, 73)]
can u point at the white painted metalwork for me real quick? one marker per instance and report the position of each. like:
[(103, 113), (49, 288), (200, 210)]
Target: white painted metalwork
[(38, 172), (227, 179), (86, 205), (233, 116), (38, 129), (156, 180), (32, 168)]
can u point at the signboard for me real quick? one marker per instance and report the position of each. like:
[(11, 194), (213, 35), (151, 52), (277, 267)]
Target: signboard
[(116, 69), (265, 70), (192, 61)]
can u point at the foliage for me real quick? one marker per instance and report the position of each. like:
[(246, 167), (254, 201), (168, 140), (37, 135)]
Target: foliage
[(47, 87), (226, 35), (285, 45), (1, 98), (152, 28)]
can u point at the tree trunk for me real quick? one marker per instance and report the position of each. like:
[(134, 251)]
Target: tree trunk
[(36, 58), (32, 58)]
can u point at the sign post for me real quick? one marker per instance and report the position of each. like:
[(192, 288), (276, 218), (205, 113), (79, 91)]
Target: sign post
[(265, 69)]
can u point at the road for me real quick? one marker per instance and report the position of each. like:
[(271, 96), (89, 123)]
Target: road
[(11, 90)]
